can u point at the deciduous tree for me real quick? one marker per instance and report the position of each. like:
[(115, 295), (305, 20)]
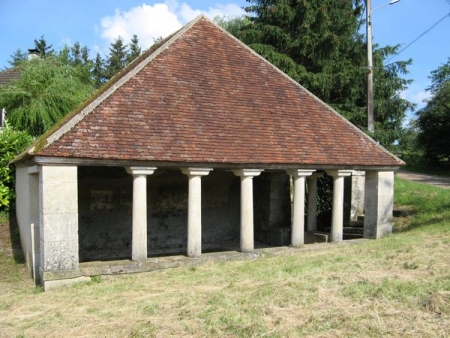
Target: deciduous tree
[(46, 90), (434, 120), (11, 143)]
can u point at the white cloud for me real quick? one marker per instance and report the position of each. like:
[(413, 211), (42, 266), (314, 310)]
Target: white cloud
[(161, 19), (416, 95), (228, 10), (187, 13), (147, 22)]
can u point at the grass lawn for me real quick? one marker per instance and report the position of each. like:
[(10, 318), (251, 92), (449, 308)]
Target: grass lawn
[(397, 286)]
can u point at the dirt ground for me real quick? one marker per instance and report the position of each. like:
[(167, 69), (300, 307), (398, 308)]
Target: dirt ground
[(5, 239), (438, 181)]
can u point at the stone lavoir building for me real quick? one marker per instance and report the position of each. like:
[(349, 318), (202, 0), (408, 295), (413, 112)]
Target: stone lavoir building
[(190, 149)]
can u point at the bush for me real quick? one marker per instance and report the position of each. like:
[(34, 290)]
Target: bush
[(11, 144)]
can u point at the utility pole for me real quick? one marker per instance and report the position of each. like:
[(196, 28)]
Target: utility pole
[(370, 119)]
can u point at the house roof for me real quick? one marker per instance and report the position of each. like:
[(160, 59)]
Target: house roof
[(204, 97), (9, 75)]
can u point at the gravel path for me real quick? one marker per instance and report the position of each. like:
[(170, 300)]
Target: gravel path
[(438, 181)]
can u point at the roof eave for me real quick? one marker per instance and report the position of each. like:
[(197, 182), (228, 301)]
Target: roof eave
[(47, 160)]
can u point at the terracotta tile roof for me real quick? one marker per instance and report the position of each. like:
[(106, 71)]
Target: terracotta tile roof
[(204, 97), (8, 75)]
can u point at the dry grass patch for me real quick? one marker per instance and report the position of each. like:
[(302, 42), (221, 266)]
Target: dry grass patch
[(397, 286), (343, 291), (439, 302)]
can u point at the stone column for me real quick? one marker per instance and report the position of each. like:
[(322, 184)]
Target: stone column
[(378, 203), (58, 220), (298, 217), (139, 221), (194, 233), (337, 218), (247, 237), (311, 224)]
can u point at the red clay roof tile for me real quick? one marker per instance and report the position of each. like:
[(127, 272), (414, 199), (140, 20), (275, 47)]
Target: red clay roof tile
[(204, 97)]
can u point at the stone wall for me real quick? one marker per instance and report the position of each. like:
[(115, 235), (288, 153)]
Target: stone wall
[(23, 213), (272, 208), (105, 211)]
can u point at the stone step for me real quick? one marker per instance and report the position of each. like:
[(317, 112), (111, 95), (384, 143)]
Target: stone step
[(357, 224), (352, 236), (348, 230)]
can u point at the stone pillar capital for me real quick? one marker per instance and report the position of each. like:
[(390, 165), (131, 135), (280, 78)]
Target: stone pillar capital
[(196, 171), (247, 172), (339, 173), (300, 172), (140, 170)]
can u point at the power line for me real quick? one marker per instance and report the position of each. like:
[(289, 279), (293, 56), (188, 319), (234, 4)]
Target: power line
[(429, 29)]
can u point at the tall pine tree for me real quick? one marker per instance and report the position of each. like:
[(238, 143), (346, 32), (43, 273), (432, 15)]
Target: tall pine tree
[(134, 49), (43, 48), (17, 57), (98, 71), (320, 45), (117, 59)]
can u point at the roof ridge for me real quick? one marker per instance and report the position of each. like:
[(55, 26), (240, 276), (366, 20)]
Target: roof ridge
[(107, 90)]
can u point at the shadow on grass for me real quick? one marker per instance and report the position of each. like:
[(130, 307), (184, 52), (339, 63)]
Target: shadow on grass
[(443, 207), (14, 234), (406, 224)]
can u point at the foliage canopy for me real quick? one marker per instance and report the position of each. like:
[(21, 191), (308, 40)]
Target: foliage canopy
[(319, 44), (433, 120), (11, 144), (46, 90)]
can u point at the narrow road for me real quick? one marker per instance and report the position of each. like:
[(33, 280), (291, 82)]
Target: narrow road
[(438, 181)]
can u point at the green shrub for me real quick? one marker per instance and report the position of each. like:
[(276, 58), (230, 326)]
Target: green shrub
[(11, 144)]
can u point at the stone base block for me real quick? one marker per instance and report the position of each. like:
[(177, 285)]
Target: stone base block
[(59, 278), (56, 284)]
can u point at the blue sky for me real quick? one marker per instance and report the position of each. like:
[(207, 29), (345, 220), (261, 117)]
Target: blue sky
[(95, 24)]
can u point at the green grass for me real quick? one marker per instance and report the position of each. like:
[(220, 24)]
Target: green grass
[(432, 205), (396, 286)]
